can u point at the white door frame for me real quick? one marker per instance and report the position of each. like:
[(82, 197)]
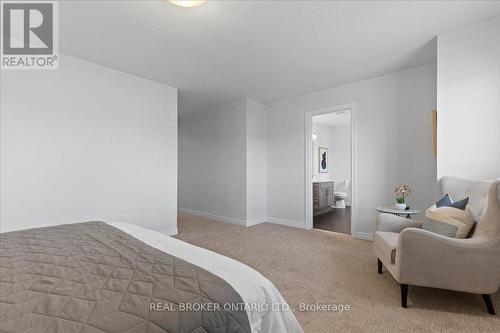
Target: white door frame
[(351, 107)]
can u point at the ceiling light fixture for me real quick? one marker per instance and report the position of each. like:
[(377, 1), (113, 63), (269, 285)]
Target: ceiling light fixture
[(188, 3)]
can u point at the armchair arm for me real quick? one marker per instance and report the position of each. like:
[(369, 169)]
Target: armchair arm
[(424, 258), (394, 223)]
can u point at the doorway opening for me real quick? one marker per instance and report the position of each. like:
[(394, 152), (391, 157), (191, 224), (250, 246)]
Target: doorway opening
[(330, 169)]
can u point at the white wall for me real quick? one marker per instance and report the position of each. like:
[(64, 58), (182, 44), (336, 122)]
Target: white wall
[(212, 162), (87, 143), (256, 161), (323, 141), (222, 163), (469, 101), (393, 138), (340, 159)]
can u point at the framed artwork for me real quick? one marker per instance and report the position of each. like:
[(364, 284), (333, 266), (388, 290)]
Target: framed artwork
[(324, 160)]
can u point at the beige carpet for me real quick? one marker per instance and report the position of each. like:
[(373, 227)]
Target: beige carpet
[(320, 266)]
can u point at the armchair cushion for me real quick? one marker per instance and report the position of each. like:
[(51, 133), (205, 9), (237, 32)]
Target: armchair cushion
[(386, 244), (440, 228), (449, 221)]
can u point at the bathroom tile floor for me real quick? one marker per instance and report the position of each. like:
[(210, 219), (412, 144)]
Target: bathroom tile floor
[(337, 220)]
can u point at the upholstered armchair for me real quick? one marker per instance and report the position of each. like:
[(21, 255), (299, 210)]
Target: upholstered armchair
[(419, 257)]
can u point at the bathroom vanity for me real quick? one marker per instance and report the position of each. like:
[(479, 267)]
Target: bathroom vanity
[(322, 197)]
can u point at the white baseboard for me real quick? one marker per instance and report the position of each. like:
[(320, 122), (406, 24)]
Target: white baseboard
[(214, 216), (364, 235), (170, 232), (290, 223), (249, 223), (256, 221)]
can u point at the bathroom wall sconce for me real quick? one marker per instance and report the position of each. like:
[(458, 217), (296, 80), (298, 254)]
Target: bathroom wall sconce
[(315, 136)]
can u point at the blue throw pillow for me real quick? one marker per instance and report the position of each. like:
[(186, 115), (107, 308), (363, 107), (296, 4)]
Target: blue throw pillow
[(446, 201), (460, 204)]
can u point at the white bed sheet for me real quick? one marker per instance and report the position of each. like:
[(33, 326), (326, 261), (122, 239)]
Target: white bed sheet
[(252, 286)]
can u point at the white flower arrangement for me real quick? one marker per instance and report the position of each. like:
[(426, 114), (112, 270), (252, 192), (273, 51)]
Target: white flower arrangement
[(402, 191)]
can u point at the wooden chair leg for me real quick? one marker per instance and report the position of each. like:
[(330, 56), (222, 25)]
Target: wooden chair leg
[(489, 304), (379, 266), (404, 295)]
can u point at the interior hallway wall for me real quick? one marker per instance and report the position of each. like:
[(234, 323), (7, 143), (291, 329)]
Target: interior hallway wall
[(222, 163), (213, 162), (256, 129)]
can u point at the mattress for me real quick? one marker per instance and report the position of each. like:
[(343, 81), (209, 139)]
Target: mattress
[(117, 277)]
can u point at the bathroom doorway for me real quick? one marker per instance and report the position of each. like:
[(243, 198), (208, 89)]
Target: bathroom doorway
[(329, 169)]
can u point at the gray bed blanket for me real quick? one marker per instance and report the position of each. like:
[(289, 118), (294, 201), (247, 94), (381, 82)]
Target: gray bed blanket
[(91, 277)]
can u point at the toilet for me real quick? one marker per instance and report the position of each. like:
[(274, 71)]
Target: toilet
[(339, 199)]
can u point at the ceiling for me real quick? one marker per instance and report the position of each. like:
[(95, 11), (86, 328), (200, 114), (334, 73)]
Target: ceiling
[(264, 50), (332, 119)]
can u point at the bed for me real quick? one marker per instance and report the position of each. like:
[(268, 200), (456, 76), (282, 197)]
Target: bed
[(117, 277)]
